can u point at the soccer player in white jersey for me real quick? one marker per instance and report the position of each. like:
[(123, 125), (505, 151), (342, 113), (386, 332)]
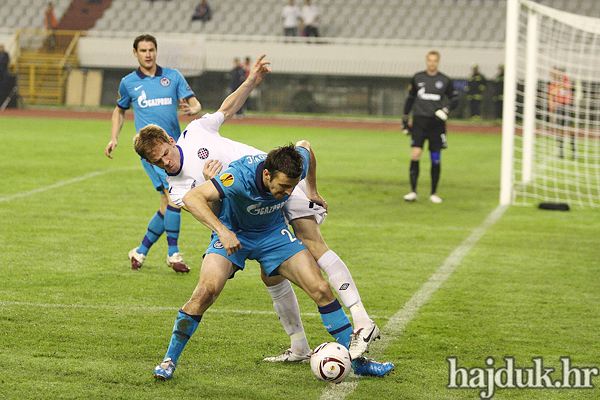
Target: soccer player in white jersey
[(201, 153)]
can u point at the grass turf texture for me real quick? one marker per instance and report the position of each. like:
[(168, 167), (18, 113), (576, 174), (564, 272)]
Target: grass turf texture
[(76, 322)]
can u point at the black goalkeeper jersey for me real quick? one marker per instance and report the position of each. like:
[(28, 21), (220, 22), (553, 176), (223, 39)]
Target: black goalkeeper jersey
[(431, 93)]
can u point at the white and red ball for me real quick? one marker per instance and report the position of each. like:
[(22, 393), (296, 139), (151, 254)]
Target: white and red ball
[(331, 362)]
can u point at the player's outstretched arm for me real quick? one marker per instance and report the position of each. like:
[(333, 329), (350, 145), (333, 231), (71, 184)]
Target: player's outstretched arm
[(236, 100), (116, 122), (311, 176), (197, 201)]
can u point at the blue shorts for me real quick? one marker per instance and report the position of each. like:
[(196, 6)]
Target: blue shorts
[(270, 248), (157, 176)]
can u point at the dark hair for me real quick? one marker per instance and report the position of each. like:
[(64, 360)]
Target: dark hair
[(144, 38), (286, 160)]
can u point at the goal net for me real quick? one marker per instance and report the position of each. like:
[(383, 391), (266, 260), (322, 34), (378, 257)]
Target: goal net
[(551, 116)]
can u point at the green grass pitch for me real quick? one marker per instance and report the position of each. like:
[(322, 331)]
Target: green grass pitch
[(77, 323)]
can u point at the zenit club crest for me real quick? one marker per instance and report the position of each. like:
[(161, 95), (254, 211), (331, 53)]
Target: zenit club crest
[(439, 84), (203, 153), (218, 245), (165, 81), (227, 179)]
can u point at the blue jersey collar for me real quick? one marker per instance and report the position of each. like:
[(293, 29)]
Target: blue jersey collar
[(180, 164), (159, 72), (259, 182)]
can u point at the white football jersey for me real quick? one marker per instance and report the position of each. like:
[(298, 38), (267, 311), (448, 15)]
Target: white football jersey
[(199, 142)]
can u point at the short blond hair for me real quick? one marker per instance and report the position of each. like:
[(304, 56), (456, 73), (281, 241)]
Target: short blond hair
[(148, 138)]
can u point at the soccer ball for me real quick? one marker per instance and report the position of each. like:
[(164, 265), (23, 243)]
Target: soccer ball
[(331, 362)]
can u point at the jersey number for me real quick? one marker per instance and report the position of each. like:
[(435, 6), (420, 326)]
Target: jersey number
[(287, 232)]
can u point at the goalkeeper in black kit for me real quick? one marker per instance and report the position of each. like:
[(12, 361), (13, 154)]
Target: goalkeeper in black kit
[(431, 96)]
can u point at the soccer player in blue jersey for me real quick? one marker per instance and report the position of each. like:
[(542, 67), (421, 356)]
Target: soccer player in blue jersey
[(154, 93), (253, 191)]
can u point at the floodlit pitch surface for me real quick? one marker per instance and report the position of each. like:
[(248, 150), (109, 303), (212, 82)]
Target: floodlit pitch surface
[(76, 322)]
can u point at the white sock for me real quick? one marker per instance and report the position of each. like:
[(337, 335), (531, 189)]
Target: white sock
[(286, 306), (343, 284)]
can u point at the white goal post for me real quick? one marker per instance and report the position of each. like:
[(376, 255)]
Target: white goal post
[(551, 114)]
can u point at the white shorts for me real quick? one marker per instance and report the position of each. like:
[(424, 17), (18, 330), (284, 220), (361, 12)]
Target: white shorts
[(298, 206)]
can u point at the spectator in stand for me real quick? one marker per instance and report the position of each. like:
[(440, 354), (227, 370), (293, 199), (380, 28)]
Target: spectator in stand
[(202, 12), (303, 100), (291, 17), (51, 24), (499, 92), (246, 65), (4, 59), (238, 76), (560, 105), (310, 19), (475, 89)]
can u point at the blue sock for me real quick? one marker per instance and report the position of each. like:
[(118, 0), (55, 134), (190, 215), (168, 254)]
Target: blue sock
[(156, 227), (336, 322), (172, 224), (184, 328)]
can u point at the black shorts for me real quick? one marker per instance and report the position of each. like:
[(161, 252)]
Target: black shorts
[(432, 129), (564, 114)]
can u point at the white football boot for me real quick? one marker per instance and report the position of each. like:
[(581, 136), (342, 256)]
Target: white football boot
[(136, 259), (289, 356), (434, 198), (412, 196), (361, 339), (176, 262)]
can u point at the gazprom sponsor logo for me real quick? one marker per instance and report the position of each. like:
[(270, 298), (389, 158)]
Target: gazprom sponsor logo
[(143, 102), (257, 209)]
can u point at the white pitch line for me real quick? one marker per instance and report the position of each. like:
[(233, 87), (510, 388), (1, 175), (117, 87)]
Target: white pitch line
[(142, 308), (63, 183), (109, 307), (398, 322)]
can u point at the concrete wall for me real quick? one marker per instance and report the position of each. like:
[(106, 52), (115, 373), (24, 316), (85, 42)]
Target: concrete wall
[(194, 54)]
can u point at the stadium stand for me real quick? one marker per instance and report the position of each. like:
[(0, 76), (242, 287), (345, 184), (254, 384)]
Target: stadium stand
[(376, 19), (17, 14), (463, 20)]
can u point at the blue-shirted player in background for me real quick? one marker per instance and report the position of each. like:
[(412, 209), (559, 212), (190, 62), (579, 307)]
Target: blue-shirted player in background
[(154, 93), (253, 191)]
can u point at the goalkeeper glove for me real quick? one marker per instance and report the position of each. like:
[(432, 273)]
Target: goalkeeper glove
[(405, 127), (442, 113)]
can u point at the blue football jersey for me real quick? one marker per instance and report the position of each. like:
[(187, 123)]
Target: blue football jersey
[(154, 99), (247, 206)]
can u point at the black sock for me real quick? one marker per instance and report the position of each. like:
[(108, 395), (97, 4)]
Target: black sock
[(435, 177), (414, 175)]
